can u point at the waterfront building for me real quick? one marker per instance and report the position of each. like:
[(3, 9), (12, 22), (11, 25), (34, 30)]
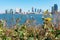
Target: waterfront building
[(17, 10), (52, 10), (6, 11), (55, 8), (32, 9), (20, 10), (11, 11), (38, 10), (35, 10)]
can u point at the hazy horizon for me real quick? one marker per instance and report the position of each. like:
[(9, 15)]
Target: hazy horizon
[(26, 5)]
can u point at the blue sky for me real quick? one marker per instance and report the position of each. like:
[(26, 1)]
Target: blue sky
[(28, 4)]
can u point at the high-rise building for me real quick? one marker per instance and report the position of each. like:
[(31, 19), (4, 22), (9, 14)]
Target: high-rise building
[(35, 10), (20, 10), (11, 10), (32, 9), (38, 10), (55, 7), (17, 10), (55, 15), (52, 10), (6, 11)]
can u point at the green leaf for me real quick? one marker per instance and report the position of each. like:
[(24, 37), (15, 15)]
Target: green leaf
[(58, 36), (8, 38), (30, 38)]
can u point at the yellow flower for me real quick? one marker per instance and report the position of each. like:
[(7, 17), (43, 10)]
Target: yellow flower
[(48, 19)]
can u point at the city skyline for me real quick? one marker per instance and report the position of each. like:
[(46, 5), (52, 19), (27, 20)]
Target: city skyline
[(26, 5)]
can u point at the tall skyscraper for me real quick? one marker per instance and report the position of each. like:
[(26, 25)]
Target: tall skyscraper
[(35, 10), (11, 10), (20, 10), (55, 7), (38, 10), (32, 9), (55, 15), (6, 11), (52, 10)]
